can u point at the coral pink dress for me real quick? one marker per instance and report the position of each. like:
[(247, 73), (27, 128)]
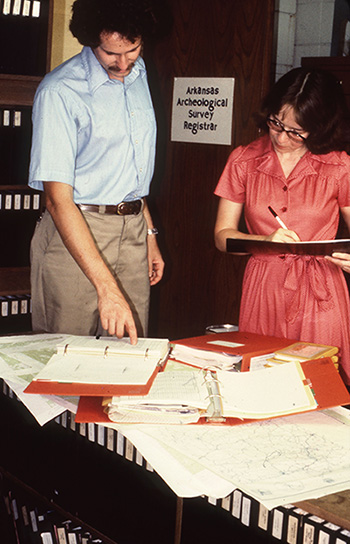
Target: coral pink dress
[(297, 297)]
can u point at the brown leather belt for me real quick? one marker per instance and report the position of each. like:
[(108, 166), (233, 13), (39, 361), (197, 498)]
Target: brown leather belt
[(123, 208)]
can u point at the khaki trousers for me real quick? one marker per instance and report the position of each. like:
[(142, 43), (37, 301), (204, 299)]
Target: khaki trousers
[(63, 299)]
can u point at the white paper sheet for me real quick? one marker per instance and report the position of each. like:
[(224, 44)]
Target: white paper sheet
[(21, 358), (277, 461)]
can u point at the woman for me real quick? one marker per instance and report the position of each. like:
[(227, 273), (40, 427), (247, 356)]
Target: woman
[(301, 170)]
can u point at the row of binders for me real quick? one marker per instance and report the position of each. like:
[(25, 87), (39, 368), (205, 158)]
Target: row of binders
[(11, 118), (21, 200), (24, 8), (27, 518), (13, 305), (15, 143), (15, 314), (288, 523), (24, 37)]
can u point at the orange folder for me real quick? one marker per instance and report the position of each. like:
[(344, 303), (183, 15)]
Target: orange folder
[(252, 345)]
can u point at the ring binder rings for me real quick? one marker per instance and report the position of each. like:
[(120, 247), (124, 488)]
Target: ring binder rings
[(185, 397), (104, 366)]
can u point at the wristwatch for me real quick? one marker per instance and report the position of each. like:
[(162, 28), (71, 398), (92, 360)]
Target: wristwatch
[(152, 231)]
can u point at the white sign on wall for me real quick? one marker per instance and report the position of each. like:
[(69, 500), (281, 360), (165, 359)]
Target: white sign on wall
[(202, 110)]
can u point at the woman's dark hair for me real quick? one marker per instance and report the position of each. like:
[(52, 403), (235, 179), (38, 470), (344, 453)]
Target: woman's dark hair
[(317, 99), (130, 18)]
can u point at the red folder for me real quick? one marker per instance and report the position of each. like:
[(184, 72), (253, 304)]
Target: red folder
[(327, 386), (253, 344)]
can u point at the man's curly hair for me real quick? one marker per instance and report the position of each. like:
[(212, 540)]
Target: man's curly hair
[(130, 18)]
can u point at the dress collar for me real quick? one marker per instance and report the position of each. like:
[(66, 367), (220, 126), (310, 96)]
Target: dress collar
[(269, 163)]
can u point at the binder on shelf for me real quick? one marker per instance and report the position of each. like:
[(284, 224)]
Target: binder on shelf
[(24, 26), (343, 537), (104, 366), (327, 387), (61, 532), (4, 306), (15, 314), (18, 219), (328, 533), (15, 143), (311, 529)]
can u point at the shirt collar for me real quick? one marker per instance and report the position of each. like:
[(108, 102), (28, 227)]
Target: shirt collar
[(96, 75)]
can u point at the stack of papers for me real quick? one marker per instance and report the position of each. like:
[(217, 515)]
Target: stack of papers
[(202, 358)]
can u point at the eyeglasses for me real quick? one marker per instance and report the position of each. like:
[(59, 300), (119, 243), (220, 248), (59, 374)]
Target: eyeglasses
[(278, 126)]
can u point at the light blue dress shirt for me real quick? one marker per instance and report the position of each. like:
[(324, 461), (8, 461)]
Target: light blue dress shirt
[(94, 133)]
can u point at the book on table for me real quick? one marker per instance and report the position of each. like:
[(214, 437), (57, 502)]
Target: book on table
[(302, 351), (104, 366)]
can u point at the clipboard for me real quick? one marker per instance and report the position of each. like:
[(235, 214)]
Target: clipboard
[(316, 248)]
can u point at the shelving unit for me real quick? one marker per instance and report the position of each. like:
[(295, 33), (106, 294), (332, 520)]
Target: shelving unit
[(25, 50), (27, 517)]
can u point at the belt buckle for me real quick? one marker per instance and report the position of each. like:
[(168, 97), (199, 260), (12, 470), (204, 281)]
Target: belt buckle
[(119, 209)]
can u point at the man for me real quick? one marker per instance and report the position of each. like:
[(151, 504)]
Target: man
[(94, 253)]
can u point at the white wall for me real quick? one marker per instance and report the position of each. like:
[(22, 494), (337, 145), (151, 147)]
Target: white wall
[(303, 29), (64, 45)]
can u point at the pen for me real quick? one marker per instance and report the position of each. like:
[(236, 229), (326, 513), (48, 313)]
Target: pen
[(278, 219)]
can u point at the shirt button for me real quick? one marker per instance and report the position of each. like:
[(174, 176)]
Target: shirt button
[(285, 188), (284, 209)]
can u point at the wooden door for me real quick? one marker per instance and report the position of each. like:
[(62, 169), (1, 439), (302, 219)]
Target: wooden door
[(220, 38)]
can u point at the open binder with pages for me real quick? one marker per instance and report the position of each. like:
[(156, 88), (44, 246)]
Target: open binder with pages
[(221, 397), (104, 366), (185, 397)]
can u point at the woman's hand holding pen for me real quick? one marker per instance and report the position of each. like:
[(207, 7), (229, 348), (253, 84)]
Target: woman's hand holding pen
[(283, 235)]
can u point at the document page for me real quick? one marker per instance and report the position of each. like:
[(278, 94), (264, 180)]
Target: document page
[(182, 388), (97, 369), (265, 393), (277, 461), (174, 398), (21, 359), (203, 359)]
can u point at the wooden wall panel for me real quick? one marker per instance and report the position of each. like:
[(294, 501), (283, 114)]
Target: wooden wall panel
[(209, 39)]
